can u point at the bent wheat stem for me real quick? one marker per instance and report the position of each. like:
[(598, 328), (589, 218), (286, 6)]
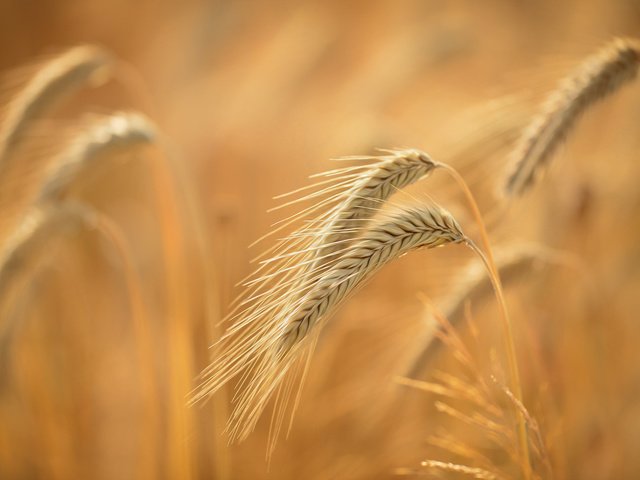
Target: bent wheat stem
[(511, 361), (489, 261), (476, 287)]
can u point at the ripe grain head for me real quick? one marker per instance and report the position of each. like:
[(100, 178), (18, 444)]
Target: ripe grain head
[(600, 75), (271, 341)]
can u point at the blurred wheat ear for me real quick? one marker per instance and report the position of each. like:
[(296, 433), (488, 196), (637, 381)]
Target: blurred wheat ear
[(55, 79), (105, 135), (35, 93), (600, 75), (35, 191), (31, 245)]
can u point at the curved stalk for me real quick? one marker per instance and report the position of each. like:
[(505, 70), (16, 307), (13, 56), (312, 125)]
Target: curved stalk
[(488, 260)]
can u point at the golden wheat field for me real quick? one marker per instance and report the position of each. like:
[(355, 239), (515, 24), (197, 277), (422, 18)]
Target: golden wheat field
[(319, 239)]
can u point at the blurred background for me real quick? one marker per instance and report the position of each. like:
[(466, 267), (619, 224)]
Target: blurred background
[(253, 97)]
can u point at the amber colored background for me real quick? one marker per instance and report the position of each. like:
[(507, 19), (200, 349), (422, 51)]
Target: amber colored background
[(252, 97)]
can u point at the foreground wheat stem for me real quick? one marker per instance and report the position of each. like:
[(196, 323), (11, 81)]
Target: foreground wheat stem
[(489, 262), (511, 360)]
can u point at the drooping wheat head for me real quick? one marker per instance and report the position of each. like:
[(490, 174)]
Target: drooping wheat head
[(409, 229), (271, 341), (346, 200), (104, 135), (600, 75), (57, 78), (23, 162)]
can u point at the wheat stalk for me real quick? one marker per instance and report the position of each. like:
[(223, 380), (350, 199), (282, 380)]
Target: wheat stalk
[(601, 74)]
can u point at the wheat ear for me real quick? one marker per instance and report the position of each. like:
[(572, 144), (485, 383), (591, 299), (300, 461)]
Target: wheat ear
[(102, 136), (344, 195), (395, 171), (348, 197), (269, 346), (60, 76), (361, 191), (405, 230), (601, 74)]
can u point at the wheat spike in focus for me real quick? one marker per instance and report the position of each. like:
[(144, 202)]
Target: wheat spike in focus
[(267, 347)]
